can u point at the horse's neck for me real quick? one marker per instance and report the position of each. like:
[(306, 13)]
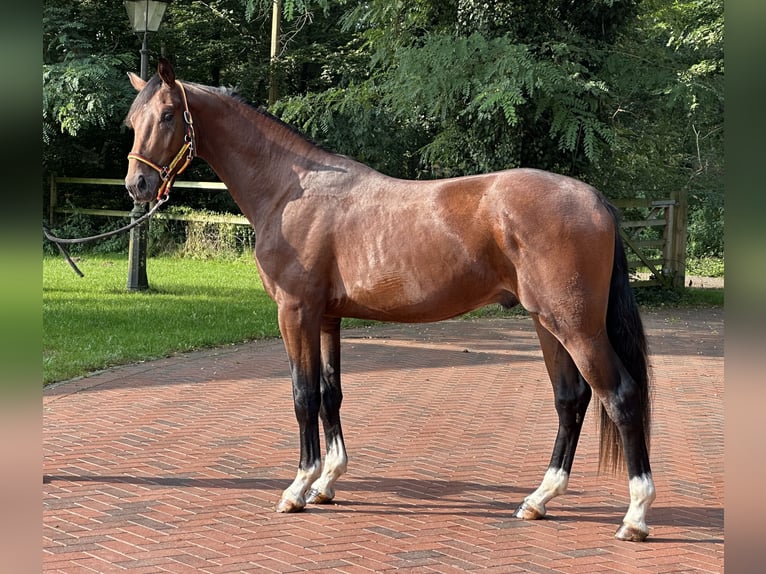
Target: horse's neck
[(255, 156)]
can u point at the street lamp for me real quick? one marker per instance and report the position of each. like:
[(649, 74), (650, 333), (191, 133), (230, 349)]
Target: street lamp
[(145, 16)]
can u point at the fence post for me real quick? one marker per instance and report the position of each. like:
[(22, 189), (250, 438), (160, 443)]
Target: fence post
[(668, 236), (678, 256)]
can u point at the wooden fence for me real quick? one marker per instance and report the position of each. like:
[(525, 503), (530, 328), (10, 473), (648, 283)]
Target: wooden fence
[(655, 239), (662, 259)]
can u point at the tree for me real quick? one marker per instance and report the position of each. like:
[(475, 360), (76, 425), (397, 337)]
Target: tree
[(476, 86), (83, 90), (626, 95), (88, 48), (667, 77)]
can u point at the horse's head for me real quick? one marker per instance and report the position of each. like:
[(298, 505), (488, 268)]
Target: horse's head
[(163, 142)]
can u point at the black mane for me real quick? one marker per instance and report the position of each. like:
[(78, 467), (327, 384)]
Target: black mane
[(155, 82), (232, 93)]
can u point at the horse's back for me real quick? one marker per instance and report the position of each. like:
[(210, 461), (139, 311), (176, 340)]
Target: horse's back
[(429, 250)]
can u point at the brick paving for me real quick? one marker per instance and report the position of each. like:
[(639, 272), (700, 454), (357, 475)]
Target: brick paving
[(175, 465)]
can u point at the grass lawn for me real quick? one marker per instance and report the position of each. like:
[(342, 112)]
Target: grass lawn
[(93, 322)]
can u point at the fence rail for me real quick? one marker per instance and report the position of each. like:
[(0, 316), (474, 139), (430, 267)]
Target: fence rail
[(664, 257)]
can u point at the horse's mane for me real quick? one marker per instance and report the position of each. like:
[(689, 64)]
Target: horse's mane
[(154, 83), (232, 93)]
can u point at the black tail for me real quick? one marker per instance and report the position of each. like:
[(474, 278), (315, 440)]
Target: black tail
[(626, 334)]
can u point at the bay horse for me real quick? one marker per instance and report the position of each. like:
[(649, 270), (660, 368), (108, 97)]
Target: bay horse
[(335, 238)]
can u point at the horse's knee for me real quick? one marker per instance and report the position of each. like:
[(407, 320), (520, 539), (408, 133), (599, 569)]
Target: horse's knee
[(332, 396)]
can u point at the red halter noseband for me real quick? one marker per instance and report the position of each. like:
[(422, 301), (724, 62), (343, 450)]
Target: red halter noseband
[(187, 152)]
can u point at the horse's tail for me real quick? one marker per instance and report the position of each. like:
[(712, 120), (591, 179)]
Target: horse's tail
[(626, 334)]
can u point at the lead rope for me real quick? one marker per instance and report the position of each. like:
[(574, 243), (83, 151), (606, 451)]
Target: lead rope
[(60, 241)]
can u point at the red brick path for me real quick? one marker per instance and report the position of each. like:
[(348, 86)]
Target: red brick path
[(176, 465)]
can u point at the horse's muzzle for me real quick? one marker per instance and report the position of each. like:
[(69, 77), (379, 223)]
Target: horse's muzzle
[(142, 188)]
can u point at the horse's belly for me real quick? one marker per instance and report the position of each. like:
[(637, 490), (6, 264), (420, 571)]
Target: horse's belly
[(413, 297)]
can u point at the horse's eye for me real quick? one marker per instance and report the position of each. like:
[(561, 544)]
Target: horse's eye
[(166, 117)]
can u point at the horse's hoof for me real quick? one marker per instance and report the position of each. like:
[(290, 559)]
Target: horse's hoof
[(286, 505), (528, 512), (631, 534), (316, 497)]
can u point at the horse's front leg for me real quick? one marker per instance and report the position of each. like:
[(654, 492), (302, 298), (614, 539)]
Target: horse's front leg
[(323, 491), (300, 332)]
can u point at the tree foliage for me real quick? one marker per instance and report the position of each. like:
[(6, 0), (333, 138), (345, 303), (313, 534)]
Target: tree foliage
[(625, 94), (488, 85), (668, 76)]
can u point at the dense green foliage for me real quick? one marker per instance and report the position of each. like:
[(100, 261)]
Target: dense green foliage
[(625, 94)]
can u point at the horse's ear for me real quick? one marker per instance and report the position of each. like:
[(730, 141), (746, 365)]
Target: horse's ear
[(136, 81), (166, 72)]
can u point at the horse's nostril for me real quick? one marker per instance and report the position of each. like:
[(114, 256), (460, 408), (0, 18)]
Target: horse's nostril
[(137, 186)]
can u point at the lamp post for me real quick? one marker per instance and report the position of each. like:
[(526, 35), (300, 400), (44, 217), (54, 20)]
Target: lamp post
[(145, 16)]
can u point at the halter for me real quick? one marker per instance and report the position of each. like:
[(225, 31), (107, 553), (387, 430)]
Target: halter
[(186, 154)]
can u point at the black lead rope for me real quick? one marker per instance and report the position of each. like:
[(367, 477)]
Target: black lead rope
[(63, 251), (60, 241)]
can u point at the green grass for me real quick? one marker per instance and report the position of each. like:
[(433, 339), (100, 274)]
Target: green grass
[(656, 297), (705, 267), (93, 322)]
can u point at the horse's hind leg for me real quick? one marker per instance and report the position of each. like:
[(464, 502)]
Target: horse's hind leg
[(322, 491), (621, 405), (572, 395), (621, 398)]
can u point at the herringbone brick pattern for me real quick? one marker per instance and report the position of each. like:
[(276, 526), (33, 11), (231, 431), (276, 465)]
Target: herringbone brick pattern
[(176, 465)]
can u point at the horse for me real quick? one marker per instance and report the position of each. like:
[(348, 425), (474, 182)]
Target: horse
[(336, 238)]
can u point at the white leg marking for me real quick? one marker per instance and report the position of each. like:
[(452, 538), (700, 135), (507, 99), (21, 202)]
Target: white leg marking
[(335, 465), (642, 495), (296, 492), (554, 483)]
